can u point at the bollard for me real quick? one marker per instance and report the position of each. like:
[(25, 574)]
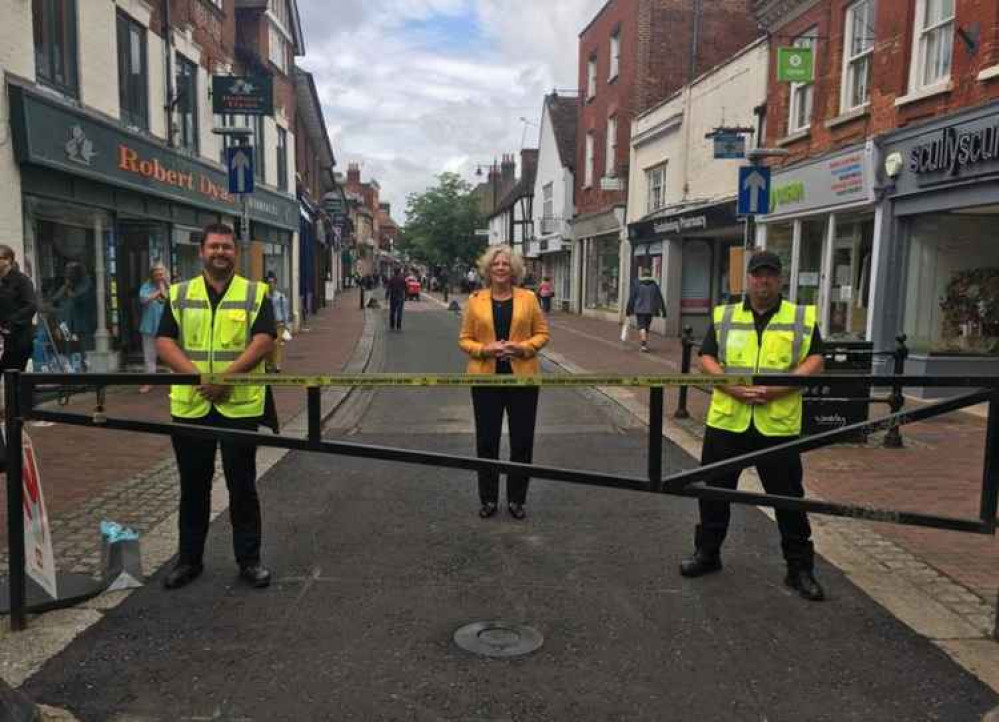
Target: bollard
[(687, 341), (361, 286), (893, 439), (656, 438), (445, 293)]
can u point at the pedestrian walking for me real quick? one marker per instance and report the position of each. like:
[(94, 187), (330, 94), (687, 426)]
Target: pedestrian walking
[(18, 305), (282, 322), (472, 280), (153, 295), (545, 292), (502, 331), (762, 334), (395, 294), (644, 302), (218, 322)]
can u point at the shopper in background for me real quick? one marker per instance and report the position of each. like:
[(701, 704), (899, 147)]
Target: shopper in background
[(282, 320), (153, 295), (645, 301), (18, 305)]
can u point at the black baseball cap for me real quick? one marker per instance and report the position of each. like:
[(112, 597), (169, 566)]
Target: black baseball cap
[(764, 259)]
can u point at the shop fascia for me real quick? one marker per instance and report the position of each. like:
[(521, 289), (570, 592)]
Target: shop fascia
[(666, 225), (51, 134)]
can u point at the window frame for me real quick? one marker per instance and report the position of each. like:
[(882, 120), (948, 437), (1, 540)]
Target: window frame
[(590, 160), (917, 76), (610, 148), (193, 143), (591, 77), (274, 33), (866, 56), (803, 92), (281, 144), (70, 53), (650, 174), (615, 55), (548, 208), (259, 147), (135, 117)]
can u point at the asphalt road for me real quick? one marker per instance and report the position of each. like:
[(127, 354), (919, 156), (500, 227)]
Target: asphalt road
[(378, 564)]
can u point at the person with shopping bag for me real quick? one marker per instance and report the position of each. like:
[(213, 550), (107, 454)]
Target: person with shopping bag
[(644, 302)]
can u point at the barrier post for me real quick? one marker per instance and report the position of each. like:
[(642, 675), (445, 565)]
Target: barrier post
[(656, 438), (687, 341), (893, 439), (314, 399), (990, 478), (15, 501), (361, 287)]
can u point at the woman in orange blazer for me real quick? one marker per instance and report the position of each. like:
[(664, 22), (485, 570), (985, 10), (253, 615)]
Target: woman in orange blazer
[(502, 331)]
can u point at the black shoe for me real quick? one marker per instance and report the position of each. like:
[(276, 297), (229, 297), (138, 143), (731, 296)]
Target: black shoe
[(256, 575), (516, 510), (803, 582), (182, 575), (487, 510), (700, 563)]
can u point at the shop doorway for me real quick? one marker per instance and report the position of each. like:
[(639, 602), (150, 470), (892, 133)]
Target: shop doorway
[(140, 245)]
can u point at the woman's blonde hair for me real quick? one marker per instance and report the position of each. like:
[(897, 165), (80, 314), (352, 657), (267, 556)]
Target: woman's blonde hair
[(158, 267), (516, 263)]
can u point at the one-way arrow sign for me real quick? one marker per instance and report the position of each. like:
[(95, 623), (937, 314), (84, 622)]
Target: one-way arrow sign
[(239, 161), (754, 190)]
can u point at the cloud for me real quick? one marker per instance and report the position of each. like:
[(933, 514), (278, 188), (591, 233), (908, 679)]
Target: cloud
[(411, 88)]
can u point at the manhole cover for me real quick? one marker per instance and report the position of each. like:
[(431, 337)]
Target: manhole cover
[(498, 639)]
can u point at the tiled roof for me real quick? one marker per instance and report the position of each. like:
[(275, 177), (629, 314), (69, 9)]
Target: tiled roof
[(564, 114)]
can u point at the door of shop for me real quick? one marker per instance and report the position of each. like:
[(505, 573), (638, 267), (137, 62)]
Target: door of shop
[(140, 245)]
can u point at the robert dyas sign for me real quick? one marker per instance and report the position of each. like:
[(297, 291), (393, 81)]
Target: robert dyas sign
[(50, 134)]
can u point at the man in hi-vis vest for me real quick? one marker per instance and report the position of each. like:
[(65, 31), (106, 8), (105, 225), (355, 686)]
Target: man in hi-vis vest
[(218, 322), (762, 334)]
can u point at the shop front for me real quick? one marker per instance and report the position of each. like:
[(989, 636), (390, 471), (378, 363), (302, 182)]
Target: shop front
[(688, 252), (556, 266), (941, 269), (823, 224), (602, 242), (101, 206)]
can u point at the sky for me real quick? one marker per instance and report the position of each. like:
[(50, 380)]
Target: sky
[(413, 88)]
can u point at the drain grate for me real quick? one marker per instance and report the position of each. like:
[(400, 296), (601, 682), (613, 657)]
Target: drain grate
[(498, 639)]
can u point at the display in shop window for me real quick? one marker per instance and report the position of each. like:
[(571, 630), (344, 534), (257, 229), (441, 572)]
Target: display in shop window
[(971, 312)]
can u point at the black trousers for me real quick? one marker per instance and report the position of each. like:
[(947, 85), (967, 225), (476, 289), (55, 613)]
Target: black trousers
[(781, 476), (395, 312), (521, 407), (196, 464)]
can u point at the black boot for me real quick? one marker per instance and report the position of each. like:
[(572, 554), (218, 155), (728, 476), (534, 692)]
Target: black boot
[(803, 582), (701, 562)]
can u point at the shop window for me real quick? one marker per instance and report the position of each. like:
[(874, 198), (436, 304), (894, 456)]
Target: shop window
[(54, 26), (780, 240), (61, 242), (655, 179), (952, 285), (602, 274), (933, 45), (850, 284), (282, 159), (187, 104), (133, 86), (813, 236), (802, 94), (858, 55)]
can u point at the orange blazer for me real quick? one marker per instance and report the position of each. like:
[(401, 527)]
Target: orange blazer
[(529, 328)]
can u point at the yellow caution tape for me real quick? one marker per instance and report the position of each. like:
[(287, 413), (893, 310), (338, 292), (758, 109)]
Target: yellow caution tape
[(567, 380)]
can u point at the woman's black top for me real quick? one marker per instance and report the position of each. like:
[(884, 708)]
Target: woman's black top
[(502, 318)]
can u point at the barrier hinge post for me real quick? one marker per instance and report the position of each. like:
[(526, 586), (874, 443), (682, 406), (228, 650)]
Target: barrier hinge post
[(656, 438), (315, 399), (15, 502)]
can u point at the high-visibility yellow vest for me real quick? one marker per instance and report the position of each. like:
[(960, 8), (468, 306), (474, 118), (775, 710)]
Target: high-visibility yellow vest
[(785, 344), (213, 340)]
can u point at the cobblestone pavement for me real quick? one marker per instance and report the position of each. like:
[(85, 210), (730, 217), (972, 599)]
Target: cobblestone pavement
[(145, 497)]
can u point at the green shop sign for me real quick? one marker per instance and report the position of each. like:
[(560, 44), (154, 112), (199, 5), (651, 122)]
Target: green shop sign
[(51, 134), (795, 65), (783, 195)]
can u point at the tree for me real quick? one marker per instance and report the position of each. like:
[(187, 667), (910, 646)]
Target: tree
[(441, 223)]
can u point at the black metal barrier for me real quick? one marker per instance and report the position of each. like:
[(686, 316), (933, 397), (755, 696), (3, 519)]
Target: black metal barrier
[(21, 400), (822, 409)]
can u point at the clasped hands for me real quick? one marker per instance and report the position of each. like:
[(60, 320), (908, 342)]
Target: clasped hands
[(756, 395), (504, 349), (215, 393)]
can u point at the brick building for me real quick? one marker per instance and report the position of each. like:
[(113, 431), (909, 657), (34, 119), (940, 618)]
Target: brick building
[(886, 206), (113, 165), (632, 54)]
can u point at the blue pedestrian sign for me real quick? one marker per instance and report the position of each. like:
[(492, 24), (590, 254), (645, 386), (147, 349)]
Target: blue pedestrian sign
[(239, 162), (754, 190)]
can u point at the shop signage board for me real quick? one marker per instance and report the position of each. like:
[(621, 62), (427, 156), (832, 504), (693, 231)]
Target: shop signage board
[(840, 179), (795, 65), (754, 190), (729, 146), (690, 222), (54, 135), (239, 163), (242, 95)]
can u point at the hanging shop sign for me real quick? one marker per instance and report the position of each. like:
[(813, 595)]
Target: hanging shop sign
[(795, 65), (242, 95)]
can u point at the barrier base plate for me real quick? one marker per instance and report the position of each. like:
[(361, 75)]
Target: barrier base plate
[(73, 589)]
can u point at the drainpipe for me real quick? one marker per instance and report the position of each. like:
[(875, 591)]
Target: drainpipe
[(694, 40), (171, 91)]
